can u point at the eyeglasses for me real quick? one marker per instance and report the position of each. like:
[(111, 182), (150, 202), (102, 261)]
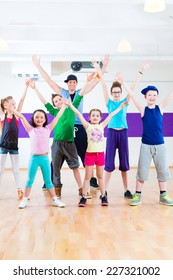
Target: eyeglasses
[(116, 92)]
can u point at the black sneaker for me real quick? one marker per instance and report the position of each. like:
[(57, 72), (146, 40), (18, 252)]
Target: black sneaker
[(93, 183), (106, 194), (104, 200), (128, 194), (82, 202)]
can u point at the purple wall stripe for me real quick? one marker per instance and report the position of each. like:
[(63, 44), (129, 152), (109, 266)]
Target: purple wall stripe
[(134, 124)]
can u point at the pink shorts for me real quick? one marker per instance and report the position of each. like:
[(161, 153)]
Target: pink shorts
[(94, 158)]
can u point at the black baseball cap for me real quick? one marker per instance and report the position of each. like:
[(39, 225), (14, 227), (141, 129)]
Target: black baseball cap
[(71, 78)]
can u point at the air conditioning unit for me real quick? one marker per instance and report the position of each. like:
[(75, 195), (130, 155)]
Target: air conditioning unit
[(25, 69)]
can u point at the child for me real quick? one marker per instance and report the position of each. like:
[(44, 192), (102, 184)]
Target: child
[(9, 136), (95, 149), (63, 147), (152, 146), (39, 133), (117, 137)]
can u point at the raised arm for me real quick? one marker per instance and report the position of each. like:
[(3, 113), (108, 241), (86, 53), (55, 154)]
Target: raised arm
[(40, 96), (166, 101), (58, 116), (81, 118), (109, 117), (135, 101), (23, 119), (45, 76), (20, 105), (96, 65), (94, 82), (139, 75)]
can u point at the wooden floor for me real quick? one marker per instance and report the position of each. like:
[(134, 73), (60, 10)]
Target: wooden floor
[(117, 232)]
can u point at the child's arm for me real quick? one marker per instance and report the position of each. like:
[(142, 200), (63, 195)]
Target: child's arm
[(40, 96), (19, 108), (46, 77), (166, 101), (23, 119), (81, 118), (96, 79), (96, 65), (58, 116), (135, 101), (109, 117)]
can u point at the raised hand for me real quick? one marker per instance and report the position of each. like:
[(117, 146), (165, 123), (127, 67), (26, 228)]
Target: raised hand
[(106, 60), (36, 60), (119, 77)]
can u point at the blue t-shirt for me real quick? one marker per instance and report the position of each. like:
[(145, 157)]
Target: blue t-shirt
[(65, 93), (119, 120), (152, 126)]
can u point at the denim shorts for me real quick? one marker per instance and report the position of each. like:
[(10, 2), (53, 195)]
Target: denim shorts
[(6, 151)]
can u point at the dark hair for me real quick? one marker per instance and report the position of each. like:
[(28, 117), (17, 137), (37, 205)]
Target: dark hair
[(53, 96), (6, 99), (116, 84), (32, 118)]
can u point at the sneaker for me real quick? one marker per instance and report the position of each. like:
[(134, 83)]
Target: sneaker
[(23, 203), (19, 194), (106, 194), (164, 199), (58, 191), (87, 196), (44, 188), (136, 200), (104, 200), (82, 202), (93, 183), (58, 203), (128, 194)]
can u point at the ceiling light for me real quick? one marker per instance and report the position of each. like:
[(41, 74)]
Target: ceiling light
[(154, 6), (124, 46), (3, 45)]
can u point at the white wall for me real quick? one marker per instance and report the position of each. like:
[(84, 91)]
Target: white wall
[(159, 74)]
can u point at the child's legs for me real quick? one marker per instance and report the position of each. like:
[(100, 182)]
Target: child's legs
[(15, 169), (99, 172), (145, 157), (57, 155), (111, 146), (123, 150), (3, 158), (160, 162), (46, 171), (88, 173), (32, 170)]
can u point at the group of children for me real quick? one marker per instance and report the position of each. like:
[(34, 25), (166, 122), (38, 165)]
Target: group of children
[(66, 105)]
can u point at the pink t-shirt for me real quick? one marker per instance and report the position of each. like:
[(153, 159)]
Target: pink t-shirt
[(39, 139)]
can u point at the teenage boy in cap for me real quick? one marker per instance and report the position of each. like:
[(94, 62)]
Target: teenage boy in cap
[(152, 146), (80, 133)]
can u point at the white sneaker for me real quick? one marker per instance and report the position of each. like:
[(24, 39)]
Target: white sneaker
[(58, 203), (23, 203)]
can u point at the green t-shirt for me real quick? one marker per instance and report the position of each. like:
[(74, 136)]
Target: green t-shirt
[(64, 129)]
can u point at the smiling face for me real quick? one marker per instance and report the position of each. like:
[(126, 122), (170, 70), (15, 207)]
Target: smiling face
[(57, 101), (95, 116), (39, 118), (116, 93), (72, 84), (151, 97)]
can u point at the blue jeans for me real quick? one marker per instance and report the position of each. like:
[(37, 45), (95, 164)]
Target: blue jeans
[(6, 151)]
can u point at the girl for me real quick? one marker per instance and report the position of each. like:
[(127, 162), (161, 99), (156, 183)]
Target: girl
[(9, 136), (95, 149), (39, 133)]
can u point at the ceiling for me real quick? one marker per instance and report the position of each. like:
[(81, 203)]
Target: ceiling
[(64, 30)]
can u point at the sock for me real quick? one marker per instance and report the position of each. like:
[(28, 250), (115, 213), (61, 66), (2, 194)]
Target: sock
[(162, 192), (138, 192)]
